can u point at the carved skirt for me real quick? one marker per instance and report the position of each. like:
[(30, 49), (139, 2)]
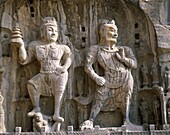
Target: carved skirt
[(114, 98), (49, 84)]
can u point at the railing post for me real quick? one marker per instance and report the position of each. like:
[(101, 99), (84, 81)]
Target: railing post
[(152, 129)]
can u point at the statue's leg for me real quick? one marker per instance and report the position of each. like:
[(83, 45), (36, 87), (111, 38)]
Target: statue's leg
[(96, 108), (126, 107), (58, 90), (34, 96), (97, 105), (58, 97), (98, 102)]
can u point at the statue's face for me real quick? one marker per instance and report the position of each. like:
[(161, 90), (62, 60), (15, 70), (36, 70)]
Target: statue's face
[(110, 33), (51, 33), (39, 117)]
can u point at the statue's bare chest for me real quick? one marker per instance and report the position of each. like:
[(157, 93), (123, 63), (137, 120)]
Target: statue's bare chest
[(48, 52), (109, 60)]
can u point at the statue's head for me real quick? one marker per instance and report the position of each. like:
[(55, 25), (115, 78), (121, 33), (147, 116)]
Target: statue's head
[(108, 31), (49, 29), (38, 117)]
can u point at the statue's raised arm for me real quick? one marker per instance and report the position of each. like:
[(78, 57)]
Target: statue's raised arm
[(17, 41)]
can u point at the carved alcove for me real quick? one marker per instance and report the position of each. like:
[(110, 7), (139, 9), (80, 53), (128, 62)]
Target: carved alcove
[(150, 104), (78, 23)]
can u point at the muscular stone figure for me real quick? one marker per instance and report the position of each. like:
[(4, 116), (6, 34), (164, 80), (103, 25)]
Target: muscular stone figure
[(117, 82), (54, 60)]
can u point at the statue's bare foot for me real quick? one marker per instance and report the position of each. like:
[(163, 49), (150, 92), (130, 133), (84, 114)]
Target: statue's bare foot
[(58, 119), (34, 111), (88, 124)]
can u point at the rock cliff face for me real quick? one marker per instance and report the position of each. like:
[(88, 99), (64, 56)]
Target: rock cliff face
[(143, 25)]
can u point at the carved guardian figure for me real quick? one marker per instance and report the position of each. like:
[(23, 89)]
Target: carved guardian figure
[(55, 59), (117, 82)]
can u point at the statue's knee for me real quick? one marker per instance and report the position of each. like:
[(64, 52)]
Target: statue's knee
[(58, 94), (59, 90), (62, 87), (30, 87)]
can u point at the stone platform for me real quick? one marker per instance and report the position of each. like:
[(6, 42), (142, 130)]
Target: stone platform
[(98, 131), (156, 132)]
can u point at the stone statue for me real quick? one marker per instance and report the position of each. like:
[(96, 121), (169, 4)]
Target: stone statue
[(117, 82), (39, 122), (144, 111), (144, 71), (167, 78), (156, 111), (55, 59), (5, 42), (22, 89), (80, 84), (154, 73)]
